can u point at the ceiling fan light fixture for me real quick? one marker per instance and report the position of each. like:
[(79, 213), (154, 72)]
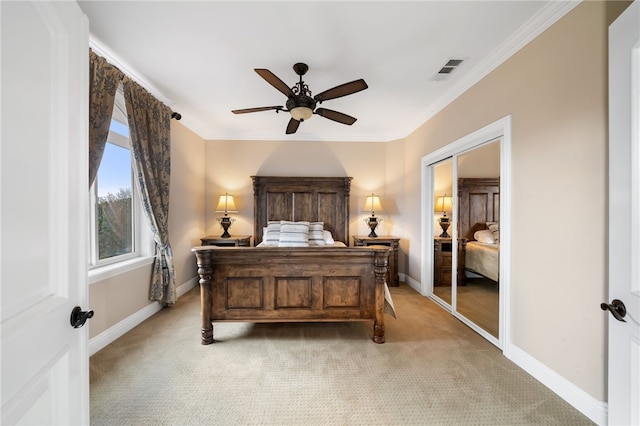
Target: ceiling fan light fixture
[(300, 102), (301, 113)]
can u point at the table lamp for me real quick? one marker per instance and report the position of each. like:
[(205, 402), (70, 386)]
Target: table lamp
[(372, 204), (443, 205), (226, 205)]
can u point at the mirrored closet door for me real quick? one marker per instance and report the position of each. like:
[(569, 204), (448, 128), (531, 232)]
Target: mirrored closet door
[(478, 193), (443, 227), (466, 236)]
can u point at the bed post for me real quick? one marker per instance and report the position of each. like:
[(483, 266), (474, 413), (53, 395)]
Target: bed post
[(381, 260), (205, 270)]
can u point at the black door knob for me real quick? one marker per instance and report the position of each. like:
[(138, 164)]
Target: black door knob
[(79, 317), (617, 309)]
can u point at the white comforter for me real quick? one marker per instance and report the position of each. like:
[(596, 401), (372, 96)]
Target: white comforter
[(334, 245), (483, 259)]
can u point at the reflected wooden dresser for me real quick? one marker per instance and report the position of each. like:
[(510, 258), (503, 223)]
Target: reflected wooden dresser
[(442, 261)]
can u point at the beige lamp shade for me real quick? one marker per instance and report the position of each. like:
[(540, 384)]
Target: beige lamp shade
[(372, 204), (226, 204), (444, 204)]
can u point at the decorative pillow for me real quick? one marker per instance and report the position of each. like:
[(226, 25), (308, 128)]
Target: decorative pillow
[(316, 237), (484, 236), (294, 234), (328, 238), (271, 237), (494, 227)]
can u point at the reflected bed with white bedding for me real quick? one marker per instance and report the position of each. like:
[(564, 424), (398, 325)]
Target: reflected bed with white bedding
[(479, 227), (482, 255), (483, 259)]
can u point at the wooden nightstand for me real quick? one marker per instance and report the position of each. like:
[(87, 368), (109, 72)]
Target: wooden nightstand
[(393, 279), (232, 241), (442, 261)]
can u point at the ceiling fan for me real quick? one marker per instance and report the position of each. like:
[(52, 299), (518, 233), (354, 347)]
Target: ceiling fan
[(301, 104)]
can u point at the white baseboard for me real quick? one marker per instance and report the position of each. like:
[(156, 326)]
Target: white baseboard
[(112, 333), (589, 406), (412, 283), (193, 282)]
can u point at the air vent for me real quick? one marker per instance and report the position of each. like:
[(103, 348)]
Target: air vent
[(454, 62), (447, 69)]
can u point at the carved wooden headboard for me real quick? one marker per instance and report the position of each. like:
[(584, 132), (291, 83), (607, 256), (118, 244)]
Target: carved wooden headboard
[(313, 199), (478, 203)]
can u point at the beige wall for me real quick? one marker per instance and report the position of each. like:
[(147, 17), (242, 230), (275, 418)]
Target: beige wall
[(230, 165), (397, 185), (116, 298), (186, 206), (555, 90)]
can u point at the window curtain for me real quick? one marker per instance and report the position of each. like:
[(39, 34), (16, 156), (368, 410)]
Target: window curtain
[(149, 131), (104, 79)]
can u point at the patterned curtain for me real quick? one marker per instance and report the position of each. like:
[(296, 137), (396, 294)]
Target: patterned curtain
[(103, 83), (149, 130)]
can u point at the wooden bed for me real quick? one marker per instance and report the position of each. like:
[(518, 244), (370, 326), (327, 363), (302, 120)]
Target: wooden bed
[(295, 284), (479, 204)]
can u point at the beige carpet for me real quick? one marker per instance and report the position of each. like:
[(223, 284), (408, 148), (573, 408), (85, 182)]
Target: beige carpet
[(432, 370)]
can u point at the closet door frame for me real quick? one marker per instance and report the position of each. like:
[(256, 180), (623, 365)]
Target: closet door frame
[(500, 129)]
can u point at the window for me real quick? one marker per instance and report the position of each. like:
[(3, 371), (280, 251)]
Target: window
[(115, 231)]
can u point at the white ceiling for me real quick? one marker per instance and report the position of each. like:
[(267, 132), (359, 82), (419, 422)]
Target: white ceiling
[(199, 57)]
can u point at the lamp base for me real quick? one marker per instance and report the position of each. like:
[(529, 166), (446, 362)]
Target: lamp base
[(373, 224), (225, 222), (444, 224)]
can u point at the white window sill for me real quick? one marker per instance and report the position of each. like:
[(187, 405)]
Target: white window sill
[(109, 271)]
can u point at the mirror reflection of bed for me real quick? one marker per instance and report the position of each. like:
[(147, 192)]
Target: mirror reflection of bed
[(479, 224), (478, 221)]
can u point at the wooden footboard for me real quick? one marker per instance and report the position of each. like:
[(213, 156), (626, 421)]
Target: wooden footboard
[(276, 284)]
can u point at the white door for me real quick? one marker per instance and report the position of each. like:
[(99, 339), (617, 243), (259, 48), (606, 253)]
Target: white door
[(624, 216), (44, 190)]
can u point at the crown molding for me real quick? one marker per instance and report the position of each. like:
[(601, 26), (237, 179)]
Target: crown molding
[(551, 13), (100, 49)]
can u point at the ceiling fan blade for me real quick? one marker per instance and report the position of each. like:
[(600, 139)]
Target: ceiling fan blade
[(273, 80), (335, 116), (246, 110), (292, 126), (342, 90)]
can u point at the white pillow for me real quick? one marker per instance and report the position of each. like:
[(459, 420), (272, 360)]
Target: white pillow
[(328, 238), (294, 234), (271, 237), (316, 237), (494, 227), (484, 236)]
